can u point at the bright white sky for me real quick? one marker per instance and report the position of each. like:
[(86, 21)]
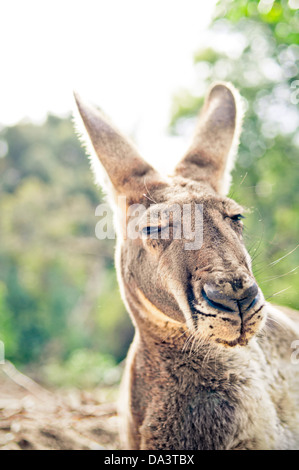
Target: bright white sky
[(127, 56)]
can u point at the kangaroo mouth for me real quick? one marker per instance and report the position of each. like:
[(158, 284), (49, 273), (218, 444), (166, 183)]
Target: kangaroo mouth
[(224, 327)]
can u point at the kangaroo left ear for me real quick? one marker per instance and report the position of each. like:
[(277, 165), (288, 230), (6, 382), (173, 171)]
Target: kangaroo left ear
[(211, 156), (121, 164)]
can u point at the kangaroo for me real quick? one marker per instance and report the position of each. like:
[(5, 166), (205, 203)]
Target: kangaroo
[(212, 364)]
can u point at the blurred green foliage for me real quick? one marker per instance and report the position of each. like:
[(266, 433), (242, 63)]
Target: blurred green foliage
[(255, 45), (58, 292), (84, 368)]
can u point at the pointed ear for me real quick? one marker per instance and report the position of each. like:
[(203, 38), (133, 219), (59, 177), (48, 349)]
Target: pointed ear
[(128, 173), (211, 156)]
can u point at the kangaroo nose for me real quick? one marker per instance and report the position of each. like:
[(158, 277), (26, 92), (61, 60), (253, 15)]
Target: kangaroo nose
[(217, 298)]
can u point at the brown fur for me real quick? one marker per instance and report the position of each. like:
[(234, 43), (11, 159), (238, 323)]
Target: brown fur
[(210, 366)]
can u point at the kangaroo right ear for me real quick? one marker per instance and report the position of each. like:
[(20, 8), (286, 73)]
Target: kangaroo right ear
[(129, 174), (211, 156)]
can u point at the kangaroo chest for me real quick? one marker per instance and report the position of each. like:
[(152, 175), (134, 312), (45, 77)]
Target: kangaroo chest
[(181, 403)]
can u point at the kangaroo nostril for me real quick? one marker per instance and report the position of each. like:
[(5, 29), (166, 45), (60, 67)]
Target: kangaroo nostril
[(253, 302), (236, 302), (249, 297), (218, 300)]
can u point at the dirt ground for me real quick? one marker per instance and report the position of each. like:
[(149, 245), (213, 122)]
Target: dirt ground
[(32, 418)]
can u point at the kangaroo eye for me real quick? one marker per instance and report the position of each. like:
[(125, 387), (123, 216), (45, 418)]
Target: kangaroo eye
[(237, 217), (150, 230)]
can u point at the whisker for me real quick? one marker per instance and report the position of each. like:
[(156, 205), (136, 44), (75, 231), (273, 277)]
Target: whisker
[(277, 293), (278, 260), (243, 178), (149, 198), (281, 275), (187, 341)]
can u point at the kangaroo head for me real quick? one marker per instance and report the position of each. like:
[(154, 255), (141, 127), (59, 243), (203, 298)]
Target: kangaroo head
[(184, 265)]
